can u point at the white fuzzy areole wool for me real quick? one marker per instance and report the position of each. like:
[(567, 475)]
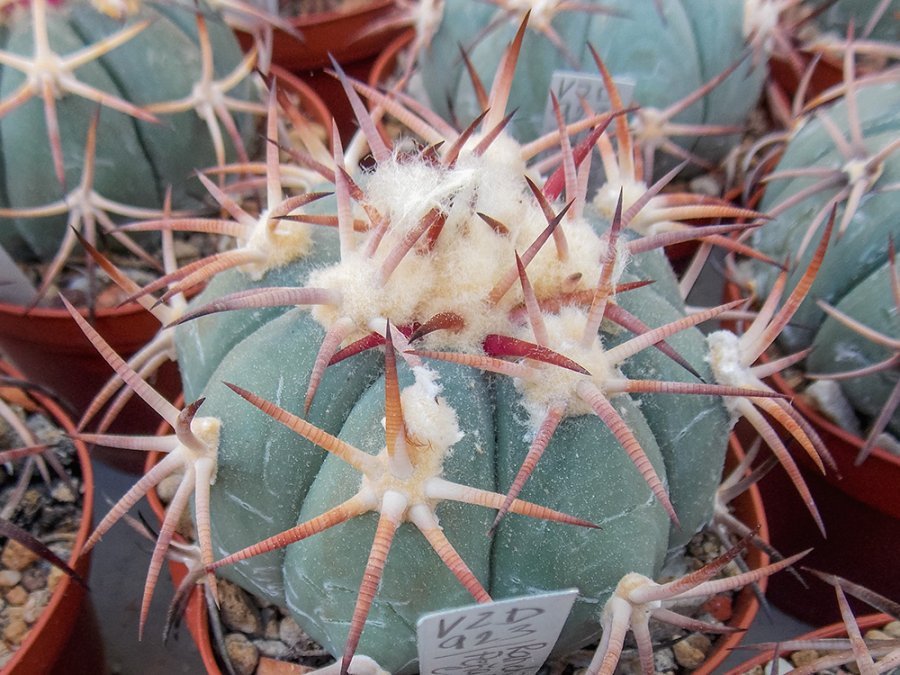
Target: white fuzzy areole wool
[(553, 385), (725, 360), (277, 242), (457, 271)]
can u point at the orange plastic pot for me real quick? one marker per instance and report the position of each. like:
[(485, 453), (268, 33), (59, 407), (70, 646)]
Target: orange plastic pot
[(834, 630), (748, 508), (67, 625), (786, 76)]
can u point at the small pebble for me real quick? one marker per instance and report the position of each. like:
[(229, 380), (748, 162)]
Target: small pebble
[(270, 623), (289, 632), (242, 653), (56, 575), (15, 631), (784, 666), (35, 578), (63, 493), (6, 654), (892, 629), (802, 657), (692, 651), (16, 557), (664, 661), (237, 609), (10, 578), (35, 605), (16, 596), (876, 635), (275, 649)]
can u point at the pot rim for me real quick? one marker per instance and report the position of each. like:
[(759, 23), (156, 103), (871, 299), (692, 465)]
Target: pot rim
[(865, 622)]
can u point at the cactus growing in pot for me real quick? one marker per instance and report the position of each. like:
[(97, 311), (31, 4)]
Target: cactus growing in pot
[(515, 329), (682, 62), (61, 63), (848, 155)]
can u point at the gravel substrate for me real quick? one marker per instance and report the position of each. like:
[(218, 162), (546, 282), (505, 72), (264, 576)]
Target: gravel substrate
[(51, 513)]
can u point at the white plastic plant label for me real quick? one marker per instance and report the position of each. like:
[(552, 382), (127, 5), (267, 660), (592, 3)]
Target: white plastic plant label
[(508, 637), (571, 88)]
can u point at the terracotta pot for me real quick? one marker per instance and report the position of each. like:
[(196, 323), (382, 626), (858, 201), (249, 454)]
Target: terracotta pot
[(748, 508), (333, 33), (49, 348), (67, 626), (835, 630), (860, 508)]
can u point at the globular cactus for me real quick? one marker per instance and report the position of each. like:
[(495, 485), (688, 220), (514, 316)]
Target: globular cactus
[(164, 83), (436, 262), (674, 59), (529, 366), (848, 155)]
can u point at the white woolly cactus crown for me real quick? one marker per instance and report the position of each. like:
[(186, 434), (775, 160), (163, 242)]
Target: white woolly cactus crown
[(455, 272)]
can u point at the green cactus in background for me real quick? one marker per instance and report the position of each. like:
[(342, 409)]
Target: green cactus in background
[(660, 53), (848, 155), (871, 20), (146, 78)]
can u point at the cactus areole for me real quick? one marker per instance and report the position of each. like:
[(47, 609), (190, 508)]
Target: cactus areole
[(429, 240)]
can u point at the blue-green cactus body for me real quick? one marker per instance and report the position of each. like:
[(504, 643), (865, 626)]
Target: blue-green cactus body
[(689, 429), (836, 348), (28, 166), (854, 272), (584, 471), (136, 161), (658, 57), (535, 557), (722, 35), (415, 580), (837, 17)]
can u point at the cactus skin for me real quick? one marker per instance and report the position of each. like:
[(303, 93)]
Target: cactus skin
[(836, 348), (269, 479), (666, 58), (838, 16), (135, 161), (855, 274)]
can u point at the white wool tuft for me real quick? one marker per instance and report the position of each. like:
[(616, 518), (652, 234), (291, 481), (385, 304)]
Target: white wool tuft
[(552, 384), (429, 419)]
